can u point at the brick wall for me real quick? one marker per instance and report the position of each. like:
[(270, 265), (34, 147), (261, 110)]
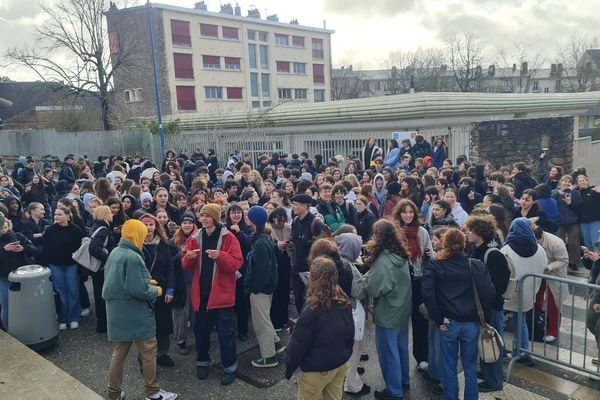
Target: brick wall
[(507, 142)]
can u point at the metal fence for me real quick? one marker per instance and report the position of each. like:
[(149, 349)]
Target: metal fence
[(568, 351), (585, 153)]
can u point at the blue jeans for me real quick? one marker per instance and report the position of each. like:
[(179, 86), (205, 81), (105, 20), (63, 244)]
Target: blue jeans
[(66, 284), (4, 302), (464, 334), (434, 354), (224, 320), (392, 350), (524, 333), (589, 233), (493, 374)]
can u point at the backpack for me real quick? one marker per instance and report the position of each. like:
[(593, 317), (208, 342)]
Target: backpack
[(511, 288), (325, 230), (82, 255)]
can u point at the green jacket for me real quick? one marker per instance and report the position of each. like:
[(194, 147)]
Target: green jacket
[(128, 295), (388, 283), (261, 274)]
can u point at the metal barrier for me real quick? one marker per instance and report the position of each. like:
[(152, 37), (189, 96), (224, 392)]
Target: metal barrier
[(553, 352)]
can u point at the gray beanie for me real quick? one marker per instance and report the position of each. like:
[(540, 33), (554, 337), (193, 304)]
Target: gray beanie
[(349, 245)]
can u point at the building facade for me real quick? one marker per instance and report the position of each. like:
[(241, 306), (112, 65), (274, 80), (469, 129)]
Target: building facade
[(216, 62)]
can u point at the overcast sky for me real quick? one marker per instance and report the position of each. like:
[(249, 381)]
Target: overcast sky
[(366, 31)]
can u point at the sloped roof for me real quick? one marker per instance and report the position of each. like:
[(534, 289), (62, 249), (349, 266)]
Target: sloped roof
[(594, 54)]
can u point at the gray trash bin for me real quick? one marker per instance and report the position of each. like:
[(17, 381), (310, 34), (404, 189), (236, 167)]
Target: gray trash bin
[(31, 309)]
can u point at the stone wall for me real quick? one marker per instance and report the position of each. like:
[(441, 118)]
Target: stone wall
[(506, 142)]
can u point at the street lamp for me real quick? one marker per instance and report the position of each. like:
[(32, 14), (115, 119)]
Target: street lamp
[(161, 133)]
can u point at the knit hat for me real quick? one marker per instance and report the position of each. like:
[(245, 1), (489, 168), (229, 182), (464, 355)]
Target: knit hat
[(212, 210), (134, 231), (306, 175), (393, 187), (258, 216), (302, 198), (188, 216), (145, 196)]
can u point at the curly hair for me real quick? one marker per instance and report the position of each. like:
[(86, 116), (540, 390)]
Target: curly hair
[(401, 207), (454, 243), (323, 289), (483, 226), (386, 236)]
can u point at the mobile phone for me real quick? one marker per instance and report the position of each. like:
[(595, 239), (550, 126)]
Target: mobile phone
[(14, 243)]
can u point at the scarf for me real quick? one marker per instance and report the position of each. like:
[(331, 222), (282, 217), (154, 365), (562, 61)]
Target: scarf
[(412, 236), (447, 221), (521, 238)]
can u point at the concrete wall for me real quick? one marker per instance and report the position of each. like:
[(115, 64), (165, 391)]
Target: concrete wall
[(507, 142)]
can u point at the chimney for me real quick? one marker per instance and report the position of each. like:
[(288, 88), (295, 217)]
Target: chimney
[(559, 69), (254, 13), (238, 10), (324, 24), (491, 71), (294, 22), (113, 6), (514, 68), (201, 5), (227, 9), (273, 18), (553, 69), (524, 68)]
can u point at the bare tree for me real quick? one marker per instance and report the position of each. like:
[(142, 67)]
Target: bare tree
[(576, 76), (517, 68), (72, 48), (348, 83), (465, 54)]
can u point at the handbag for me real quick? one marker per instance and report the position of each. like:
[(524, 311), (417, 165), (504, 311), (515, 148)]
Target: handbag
[(82, 255), (359, 317), (490, 343)]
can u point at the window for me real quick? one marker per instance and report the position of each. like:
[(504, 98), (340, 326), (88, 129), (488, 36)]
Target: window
[(213, 93), (282, 40), (127, 96), (183, 66), (253, 84), (208, 30), (266, 104), (536, 86), (318, 73), (252, 55), (298, 41), (133, 95), (558, 86), (378, 85), (300, 68), (232, 63), (264, 56), (283, 66), (234, 93), (546, 90), (317, 48), (230, 33), (113, 41), (251, 35), (285, 93), (263, 36), (266, 87), (300, 94), (319, 95), (180, 33), (212, 62), (255, 104), (186, 98)]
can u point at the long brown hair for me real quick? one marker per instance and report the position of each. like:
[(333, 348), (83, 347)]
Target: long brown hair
[(386, 236), (454, 243), (158, 228), (323, 247), (323, 289), (401, 207)]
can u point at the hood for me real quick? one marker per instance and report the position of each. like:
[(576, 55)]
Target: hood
[(23, 159), (86, 201), (349, 245), (62, 186), (521, 238), (397, 260), (148, 172), (479, 173), (189, 166), (227, 174), (134, 231), (10, 198)]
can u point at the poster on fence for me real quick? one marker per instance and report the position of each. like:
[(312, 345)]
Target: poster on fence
[(401, 135)]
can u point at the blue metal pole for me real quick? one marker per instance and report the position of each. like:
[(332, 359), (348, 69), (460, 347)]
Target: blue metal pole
[(161, 133)]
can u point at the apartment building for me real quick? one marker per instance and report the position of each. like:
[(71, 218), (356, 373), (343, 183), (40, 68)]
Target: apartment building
[(216, 61)]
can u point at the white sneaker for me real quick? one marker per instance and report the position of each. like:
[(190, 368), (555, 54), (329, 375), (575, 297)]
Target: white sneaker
[(163, 395), (423, 365), (74, 325), (549, 338), (62, 326), (85, 312)]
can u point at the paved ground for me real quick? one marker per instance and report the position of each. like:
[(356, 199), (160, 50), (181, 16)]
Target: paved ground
[(86, 355)]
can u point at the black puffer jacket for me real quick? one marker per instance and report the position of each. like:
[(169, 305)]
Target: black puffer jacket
[(321, 341), (97, 247), (9, 260)]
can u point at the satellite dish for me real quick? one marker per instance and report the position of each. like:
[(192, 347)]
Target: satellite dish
[(5, 103)]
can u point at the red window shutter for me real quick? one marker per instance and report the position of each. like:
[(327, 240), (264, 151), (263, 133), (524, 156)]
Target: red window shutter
[(283, 66), (186, 98), (180, 32), (184, 67), (209, 30), (234, 93), (318, 73), (232, 61), (113, 41), (298, 41), (317, 48), (211, 60), (230, 33)]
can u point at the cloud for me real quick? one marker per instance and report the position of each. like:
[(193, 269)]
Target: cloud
[(382, 8)]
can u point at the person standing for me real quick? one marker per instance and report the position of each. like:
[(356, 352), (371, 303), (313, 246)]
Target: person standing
[(389, 284), (213, 254), (59, 242), (128, 289), (569, 200), (281, 231), (259, 283), (322, 358)]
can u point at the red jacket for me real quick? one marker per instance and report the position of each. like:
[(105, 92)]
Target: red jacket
[(390, 204), (222, 294)]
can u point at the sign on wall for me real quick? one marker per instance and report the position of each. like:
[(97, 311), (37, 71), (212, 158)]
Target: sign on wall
[(402, 135)]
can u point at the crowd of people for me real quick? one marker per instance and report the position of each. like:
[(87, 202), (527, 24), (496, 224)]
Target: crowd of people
[(400, 235)]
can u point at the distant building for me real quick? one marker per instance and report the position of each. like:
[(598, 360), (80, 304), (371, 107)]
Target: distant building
[(216, 61), (37, 105)]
